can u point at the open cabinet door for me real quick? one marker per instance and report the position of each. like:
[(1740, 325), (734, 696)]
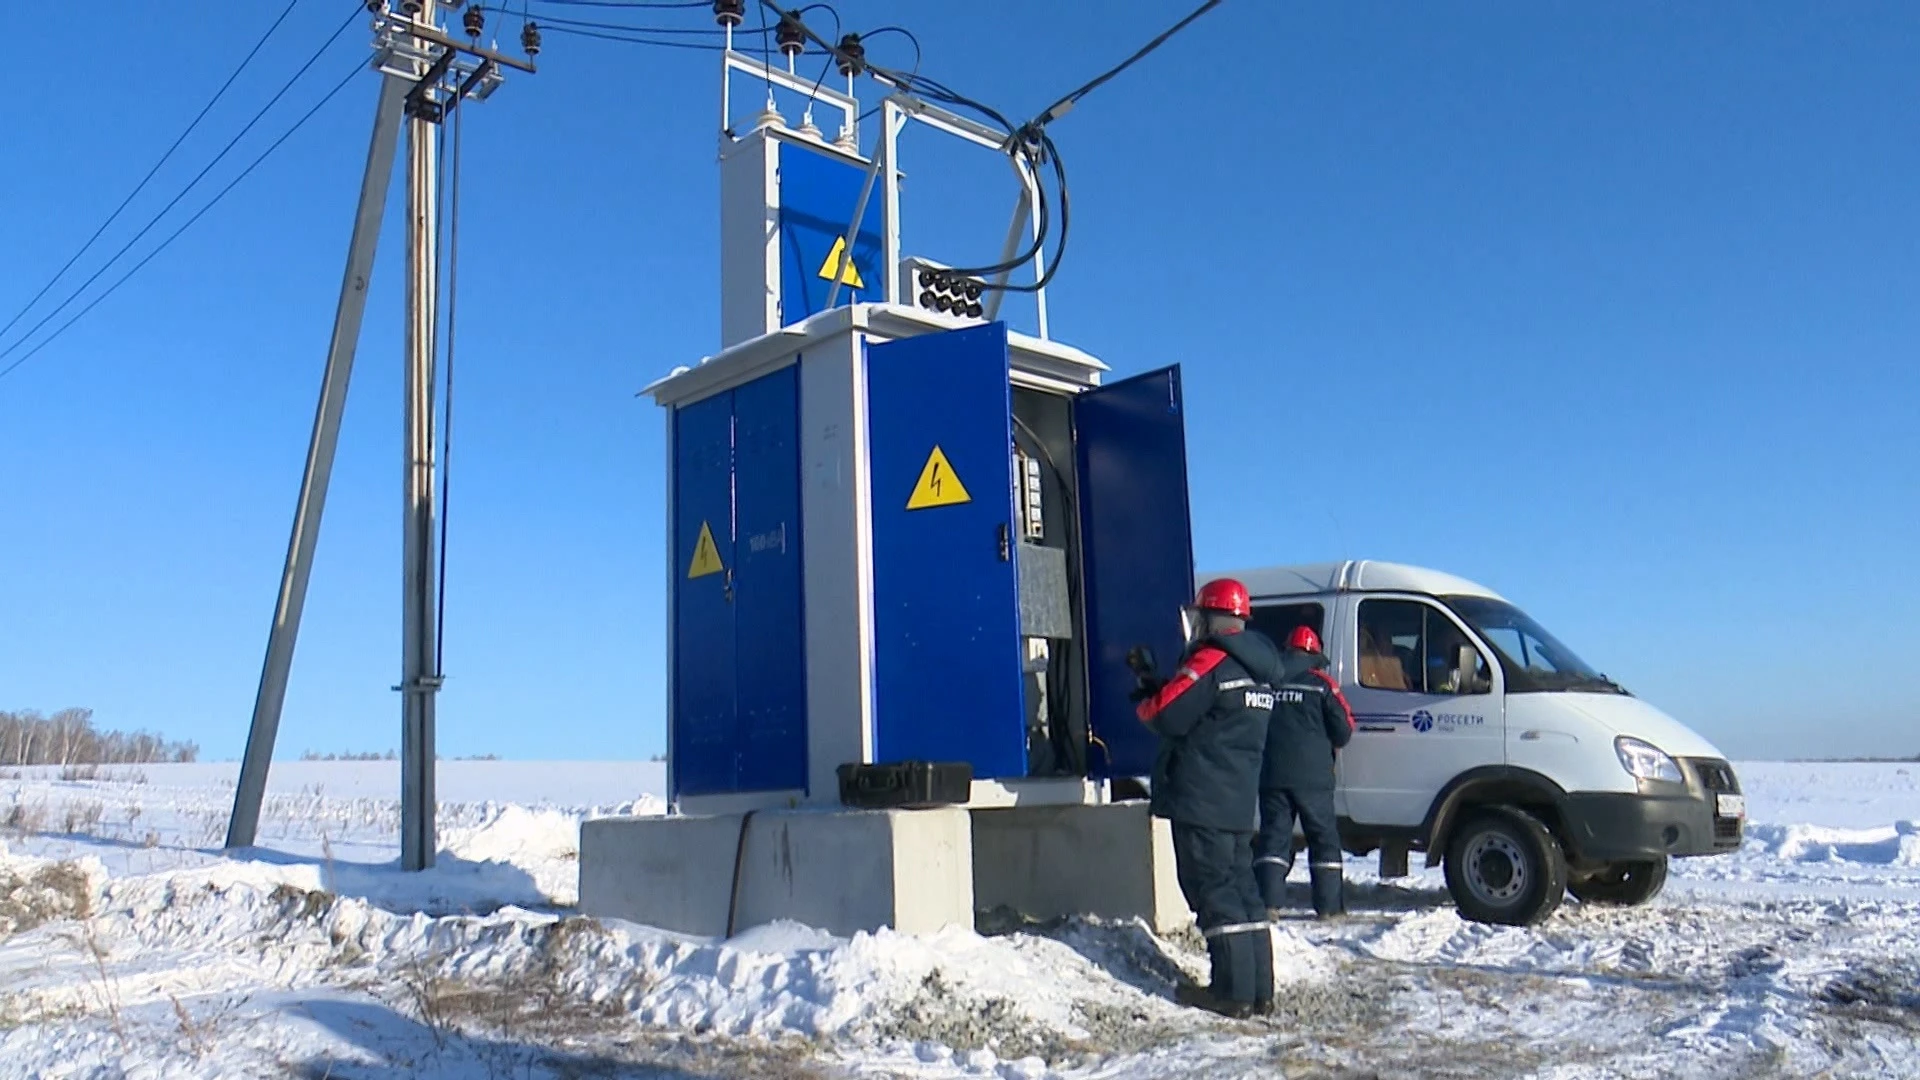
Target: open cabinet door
[(946, 621), (1136, 551)]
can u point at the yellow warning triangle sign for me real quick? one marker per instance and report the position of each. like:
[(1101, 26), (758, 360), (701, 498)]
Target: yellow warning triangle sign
[(938, 485), (706, 556), (849, 274)]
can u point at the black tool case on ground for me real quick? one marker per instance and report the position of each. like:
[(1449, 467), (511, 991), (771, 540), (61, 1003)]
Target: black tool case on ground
[(910, 785)]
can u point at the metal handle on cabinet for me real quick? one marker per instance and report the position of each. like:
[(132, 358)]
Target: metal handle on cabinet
[(1006, 542)]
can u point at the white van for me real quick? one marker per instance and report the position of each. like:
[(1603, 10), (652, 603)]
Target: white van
[(1482, 740)]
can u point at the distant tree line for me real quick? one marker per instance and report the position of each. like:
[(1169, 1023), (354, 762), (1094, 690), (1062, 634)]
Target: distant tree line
[(361, 755), (68, 737), (387, 755)]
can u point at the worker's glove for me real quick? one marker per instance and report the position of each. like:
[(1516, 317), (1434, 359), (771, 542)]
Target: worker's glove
[(1140, 661), (1145, 682)]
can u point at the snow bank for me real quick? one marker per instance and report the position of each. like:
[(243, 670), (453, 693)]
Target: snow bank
[(1891, 845), (320, 953), (241, 924)]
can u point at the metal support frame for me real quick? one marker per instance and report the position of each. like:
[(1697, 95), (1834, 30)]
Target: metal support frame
[(890, 273), (348, 314), (732, 61), (884, 167), (891, 121), (424, 73), (905, 106)]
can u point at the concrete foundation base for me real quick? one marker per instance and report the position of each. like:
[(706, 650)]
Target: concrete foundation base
[(841, 871), (1051, 861), (917, 871)]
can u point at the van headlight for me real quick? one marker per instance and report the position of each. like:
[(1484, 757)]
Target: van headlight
[(1647, 761)]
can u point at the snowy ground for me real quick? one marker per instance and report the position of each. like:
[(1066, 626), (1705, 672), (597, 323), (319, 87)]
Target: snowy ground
[(131, 945)]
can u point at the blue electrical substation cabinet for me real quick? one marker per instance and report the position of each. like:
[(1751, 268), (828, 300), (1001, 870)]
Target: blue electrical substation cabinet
[(904, 535)]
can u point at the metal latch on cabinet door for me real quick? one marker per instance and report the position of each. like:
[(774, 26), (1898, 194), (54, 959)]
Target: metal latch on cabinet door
[(726, 588), (1006, 542)]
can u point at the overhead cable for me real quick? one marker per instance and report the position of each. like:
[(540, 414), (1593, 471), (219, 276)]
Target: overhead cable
[(359, 12), (548, 22), (1061, 107), (358, 66), (568, 31), (151, 173), (451, 220), (679, 5)]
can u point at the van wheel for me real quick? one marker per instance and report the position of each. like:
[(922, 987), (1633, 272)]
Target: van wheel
[(1622, 883), (1504, 866)]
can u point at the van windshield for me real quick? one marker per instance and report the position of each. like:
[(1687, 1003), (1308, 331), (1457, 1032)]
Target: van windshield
[(1531, 658)]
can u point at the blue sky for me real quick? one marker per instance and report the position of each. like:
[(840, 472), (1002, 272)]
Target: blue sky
[(1611, 309)]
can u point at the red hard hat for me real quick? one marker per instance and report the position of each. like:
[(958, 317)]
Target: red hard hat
[(1225, 595), (1304, 639)]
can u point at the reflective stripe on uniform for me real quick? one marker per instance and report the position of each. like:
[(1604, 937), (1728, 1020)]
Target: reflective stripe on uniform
[(1198, 666), (1235, 928), (1275, 859), (1327, 866), (1337, 696)]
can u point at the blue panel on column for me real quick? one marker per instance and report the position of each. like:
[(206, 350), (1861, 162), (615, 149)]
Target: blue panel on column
[(817, 197), (947, 649), (770, 631), (704, 725), (1136, 545)]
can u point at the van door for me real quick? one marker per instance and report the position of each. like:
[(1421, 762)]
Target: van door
[(1420, 720)]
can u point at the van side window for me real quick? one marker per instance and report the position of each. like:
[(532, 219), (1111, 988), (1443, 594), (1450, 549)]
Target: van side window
[(1409, 646), (1278, 620)]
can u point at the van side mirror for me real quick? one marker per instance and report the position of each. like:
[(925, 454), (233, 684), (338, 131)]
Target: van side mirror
[(1466, 664)]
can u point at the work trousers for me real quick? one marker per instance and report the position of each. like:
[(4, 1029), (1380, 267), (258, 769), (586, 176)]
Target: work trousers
[(1273, 851), (1215, 868)]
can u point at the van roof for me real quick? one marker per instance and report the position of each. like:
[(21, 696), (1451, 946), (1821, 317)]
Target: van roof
[(1354, 575)]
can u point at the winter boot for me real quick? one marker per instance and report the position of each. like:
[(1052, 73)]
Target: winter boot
[(1235, 976), (1262, 948), (1194, 996), (1329, 893), (1272, 877)]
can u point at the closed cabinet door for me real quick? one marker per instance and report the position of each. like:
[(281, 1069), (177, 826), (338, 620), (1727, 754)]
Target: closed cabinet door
[(1426, 705)]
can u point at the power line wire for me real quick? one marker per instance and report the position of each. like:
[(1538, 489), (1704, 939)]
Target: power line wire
[(814, 94), (151, 173), (452, 219), (548, 21), (697, 46), (358, 66), (184, 192), (1060, 108), (681, 4), (918, 56)]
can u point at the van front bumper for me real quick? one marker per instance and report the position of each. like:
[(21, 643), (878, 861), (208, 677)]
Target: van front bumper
[(1663, 819)]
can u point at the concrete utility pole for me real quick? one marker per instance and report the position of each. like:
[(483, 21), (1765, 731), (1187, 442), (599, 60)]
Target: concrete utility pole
[(419, 681), (312, 503), (425, 74)]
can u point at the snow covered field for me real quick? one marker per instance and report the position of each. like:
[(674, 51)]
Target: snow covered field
[(131, 946)]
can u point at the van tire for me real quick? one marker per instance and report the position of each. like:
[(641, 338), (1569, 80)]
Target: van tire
[(1625, 884), (1505, 867)]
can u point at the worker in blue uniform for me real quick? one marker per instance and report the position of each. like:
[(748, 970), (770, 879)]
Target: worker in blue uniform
[(1310, 722), (1212, 719)]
